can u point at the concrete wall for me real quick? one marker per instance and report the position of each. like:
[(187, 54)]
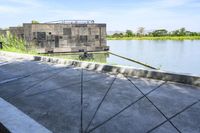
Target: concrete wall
[(66, 37), (3, 32), (61, 37), (17, 31)]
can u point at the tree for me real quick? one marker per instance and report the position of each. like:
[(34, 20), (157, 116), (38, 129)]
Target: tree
[(194, 34), (35, 22), (116, 35), (160, 32), (129, 33), (175, 33), (140, 31), (182, 31)]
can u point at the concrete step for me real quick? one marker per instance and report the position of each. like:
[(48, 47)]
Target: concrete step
[(15, 121)]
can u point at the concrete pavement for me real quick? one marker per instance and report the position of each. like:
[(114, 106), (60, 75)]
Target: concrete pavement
[(65, 99)]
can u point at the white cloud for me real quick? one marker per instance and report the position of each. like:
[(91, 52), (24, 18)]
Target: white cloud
[(153, 14), (19, 6)]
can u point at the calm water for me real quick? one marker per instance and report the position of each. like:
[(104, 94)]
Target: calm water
[(174, 56)]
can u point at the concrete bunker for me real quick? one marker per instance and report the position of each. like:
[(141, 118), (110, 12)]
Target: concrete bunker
[(63, 36)]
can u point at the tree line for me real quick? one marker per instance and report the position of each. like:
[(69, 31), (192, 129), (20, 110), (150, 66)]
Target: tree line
[(155, 33)]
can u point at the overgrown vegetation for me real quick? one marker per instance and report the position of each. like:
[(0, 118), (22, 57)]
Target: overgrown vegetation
[(35, 22), (13, 44), (155, 38), (160, 34)]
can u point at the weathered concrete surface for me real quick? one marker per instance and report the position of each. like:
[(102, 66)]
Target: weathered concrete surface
[(61, 36), (52, 94), (15, 121)]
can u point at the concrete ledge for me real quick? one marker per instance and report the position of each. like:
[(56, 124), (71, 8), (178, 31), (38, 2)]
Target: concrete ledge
[(14, 121), (3, 129), (16, 55), (128, 71)]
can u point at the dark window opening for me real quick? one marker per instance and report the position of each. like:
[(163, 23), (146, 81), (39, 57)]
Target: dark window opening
[(34, 34), (41, 36), (56, 41), (41, 44), (83, 39), (97, 37), (89, 31), (21, 35), (67, 31)]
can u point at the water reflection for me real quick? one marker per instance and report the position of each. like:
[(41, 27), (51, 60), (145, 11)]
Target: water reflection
[(175, 56), (104, 57), (97, 57)]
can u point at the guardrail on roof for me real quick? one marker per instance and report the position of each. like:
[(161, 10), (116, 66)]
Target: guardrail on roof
[(73, 21)]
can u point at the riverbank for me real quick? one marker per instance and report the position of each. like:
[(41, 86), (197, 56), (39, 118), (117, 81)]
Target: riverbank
[(156, 38), (9, 57)]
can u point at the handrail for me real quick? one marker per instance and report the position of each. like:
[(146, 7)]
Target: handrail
[(138, 62), (132, 60), (73, 21)]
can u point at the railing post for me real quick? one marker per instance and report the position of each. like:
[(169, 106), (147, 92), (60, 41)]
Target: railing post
[(1, 45)]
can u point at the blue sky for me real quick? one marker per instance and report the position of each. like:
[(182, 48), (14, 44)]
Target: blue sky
[(118, 14)]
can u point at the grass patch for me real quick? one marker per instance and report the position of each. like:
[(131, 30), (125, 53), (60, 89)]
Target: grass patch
[(99, 57), (14, 44), (156, 38)]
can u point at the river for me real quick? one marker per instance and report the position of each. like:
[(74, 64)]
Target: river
[(173, 56)]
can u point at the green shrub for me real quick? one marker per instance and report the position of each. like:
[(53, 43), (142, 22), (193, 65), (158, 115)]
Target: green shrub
[(12, 43)]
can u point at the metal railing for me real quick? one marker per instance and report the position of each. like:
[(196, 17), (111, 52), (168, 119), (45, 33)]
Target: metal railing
[(73, 21)]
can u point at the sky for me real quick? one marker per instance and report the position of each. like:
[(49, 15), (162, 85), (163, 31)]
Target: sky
[(119, 15)]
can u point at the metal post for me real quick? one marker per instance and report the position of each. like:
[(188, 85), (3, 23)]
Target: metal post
[(1, 45)]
